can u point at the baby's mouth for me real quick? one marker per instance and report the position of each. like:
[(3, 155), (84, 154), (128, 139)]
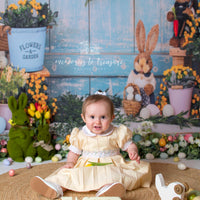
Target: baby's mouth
[(97, 127)]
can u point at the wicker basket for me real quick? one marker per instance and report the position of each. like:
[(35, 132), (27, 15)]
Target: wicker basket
[(3, 39), (131, 107)]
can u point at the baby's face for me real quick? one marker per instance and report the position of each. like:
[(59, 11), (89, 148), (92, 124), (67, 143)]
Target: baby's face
[(98, 117)]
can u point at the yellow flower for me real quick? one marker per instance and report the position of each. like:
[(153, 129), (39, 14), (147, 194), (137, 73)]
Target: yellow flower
[(37, 114), (47, 115), (32, 106), (31, 112), (44, 16)]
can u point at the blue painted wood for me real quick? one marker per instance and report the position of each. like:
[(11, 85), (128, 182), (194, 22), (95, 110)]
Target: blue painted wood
[(94, 47)]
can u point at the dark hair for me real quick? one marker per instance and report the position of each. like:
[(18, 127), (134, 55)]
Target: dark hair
[(96, 98)]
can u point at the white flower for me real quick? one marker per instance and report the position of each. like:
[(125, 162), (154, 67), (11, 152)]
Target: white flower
[(176, 147), (155, 140), (183, 143), (181, 138), (147, 143), (65, 147), (197, 141), (170, 151), (191, 140)]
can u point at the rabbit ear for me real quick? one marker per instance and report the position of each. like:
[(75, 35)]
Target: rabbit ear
[(140, 36), (22, 101), (12, 103), (152, 38)]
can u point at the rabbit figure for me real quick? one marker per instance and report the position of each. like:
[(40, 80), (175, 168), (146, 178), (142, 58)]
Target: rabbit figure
[(45, 149), (173, 191), (141, 75), (20, 144)]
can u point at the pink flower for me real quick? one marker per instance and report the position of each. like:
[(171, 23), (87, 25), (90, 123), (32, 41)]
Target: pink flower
[(162, 149), (3, 143), (187, 136), (170, 138)]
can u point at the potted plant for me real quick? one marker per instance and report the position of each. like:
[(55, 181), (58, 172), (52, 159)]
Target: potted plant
[(11, 80), (177, 88), (192, 38), (28, 21)]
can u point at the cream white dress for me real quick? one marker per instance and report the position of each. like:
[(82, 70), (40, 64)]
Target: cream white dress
[(103, 148)]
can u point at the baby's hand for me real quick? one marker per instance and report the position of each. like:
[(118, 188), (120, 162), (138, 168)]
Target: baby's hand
[(68, 165), (133, 153), (134, 156)]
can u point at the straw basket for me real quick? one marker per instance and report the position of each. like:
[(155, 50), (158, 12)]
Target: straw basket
[(131, 107)]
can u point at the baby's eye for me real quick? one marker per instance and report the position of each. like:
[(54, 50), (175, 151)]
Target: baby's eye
[(103, 117), (92, 117)]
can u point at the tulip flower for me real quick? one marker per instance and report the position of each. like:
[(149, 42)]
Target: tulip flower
[(31, 112), (47, 115), (32, 106), (38, 114)]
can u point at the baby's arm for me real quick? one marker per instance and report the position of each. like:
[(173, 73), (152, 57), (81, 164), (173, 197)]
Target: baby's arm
[(133, 152), (71, 160)]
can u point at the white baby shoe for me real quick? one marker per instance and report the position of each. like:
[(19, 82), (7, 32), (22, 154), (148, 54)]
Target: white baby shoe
[(114, 189), (46, 188)]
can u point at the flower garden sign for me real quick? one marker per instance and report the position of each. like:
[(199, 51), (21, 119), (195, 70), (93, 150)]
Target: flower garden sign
[(27, 48)]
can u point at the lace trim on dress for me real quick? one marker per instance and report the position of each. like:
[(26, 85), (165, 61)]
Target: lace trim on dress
[(74, 149), (101, 154)]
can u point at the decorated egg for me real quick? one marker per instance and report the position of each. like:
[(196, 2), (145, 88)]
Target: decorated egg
[(149, 156), (54, 159), (137, 137), (11, 172), (138, 97), (129, 90), (38, 159), (6, 162), (29, 159), (176, 159), (57, 147), (168, 110), (28, 165), (58, 156), (10, 159), (163, 155), (153, 109), (182, 166), (2, 125), (130, 97), (145, 113), (181, 155)]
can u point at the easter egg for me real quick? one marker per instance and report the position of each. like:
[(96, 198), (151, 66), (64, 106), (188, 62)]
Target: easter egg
[(168, 110), (28, 165), (149, 156), (6, 162), (38, 159), (162, 142), (10, 159), (145, 113), (57, 147), (11, 172), (182, 166), (163, 155), (137, 137), (58, 156), (153, 109), (29, 159), (130, 97), (138, 97), (54, 159), (2, 125), (129, 90), (176, 159), (181, 155)]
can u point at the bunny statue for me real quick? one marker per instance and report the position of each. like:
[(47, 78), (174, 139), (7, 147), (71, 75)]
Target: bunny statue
[(20, 142), (173, 191), (141, 75)]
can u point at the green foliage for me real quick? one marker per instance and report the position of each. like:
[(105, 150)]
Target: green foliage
[(28, 14)]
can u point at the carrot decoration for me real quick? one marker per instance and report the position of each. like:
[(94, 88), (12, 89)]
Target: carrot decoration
[(176, 27)]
